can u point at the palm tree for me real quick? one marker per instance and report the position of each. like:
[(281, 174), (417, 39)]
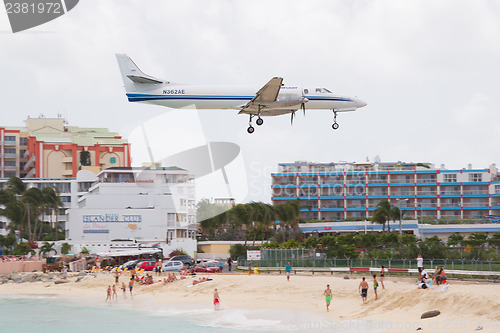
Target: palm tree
[(379, 218), (382, 214), (47, 248), (51, 202), (33, 200), (241, 215)]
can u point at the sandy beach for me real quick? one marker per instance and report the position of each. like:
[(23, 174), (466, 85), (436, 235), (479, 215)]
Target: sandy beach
[(463, 305)]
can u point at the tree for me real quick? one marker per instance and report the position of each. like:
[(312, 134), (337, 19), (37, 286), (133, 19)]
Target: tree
[(23, 249), (47, 248), (241, 215), (379, 218), (84, 250), (382, 213), (65, 248)]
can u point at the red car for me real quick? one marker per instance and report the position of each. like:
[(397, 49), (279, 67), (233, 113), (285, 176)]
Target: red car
[(146, 265), (207, 267)]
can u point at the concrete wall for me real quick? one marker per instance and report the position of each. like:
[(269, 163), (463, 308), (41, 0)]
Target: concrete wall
[(20, 266)]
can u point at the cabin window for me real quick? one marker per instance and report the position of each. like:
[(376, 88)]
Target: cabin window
[(306, 91)]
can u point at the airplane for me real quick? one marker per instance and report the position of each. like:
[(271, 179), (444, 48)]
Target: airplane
[(273, 99)]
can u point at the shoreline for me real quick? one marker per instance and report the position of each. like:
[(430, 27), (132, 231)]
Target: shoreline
[(298, 303)]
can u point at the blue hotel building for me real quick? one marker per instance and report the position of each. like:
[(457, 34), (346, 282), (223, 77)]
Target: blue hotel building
[(339, 191)]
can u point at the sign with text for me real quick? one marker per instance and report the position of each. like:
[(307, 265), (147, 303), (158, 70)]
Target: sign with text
[(253, 255)]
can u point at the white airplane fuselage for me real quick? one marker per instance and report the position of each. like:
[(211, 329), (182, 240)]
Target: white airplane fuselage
[(231, 97), (272, 99)]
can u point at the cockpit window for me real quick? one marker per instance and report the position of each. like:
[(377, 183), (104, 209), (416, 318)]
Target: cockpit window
[(322, 90)]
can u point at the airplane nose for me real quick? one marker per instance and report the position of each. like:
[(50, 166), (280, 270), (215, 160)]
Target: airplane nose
[(360, 103)]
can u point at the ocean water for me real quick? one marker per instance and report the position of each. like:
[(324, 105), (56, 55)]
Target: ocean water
[(55, 315)]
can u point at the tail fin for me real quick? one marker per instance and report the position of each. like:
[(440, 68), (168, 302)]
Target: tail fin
[(133, 78)]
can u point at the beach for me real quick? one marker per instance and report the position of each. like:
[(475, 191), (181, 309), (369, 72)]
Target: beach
[(297, 305)]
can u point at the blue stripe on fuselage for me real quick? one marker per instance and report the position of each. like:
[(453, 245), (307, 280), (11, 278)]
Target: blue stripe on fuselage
[(145, 97)]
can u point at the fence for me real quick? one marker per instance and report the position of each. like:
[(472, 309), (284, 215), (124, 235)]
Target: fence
[(307, 258)]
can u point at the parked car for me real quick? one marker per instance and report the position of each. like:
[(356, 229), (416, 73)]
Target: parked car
[(208, 267), (129, 264), (148, 265), (186, 260), (172, 266)]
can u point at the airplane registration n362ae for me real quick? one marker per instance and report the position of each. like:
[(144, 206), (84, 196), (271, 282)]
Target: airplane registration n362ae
[(273, 99)]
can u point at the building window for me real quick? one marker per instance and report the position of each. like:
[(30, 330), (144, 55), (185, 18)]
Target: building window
[(112, 160), (10, 150), (10, 174), (23, 141), (10, 138), (10, 163), (450, 178), (475, 177), (497, 188)]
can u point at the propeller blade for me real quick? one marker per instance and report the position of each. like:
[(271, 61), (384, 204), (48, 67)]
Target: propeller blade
[(291, 119), (303, 106)]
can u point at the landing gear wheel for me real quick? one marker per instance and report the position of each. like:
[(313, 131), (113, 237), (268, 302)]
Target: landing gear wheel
[(335, 126), (250, 129), (259, 121)]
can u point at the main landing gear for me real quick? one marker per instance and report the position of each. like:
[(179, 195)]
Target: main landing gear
[(335, 124), (259, 122), (250, 128)]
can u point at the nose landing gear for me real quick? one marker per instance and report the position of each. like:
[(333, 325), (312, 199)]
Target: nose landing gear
[(335, 124)]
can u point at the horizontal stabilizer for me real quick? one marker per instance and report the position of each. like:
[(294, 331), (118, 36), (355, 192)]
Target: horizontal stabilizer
[(143, 79)]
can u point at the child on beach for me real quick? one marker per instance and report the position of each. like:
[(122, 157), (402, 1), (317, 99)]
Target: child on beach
[(108, 293), (375, 285), (124, 288), (216, 299)]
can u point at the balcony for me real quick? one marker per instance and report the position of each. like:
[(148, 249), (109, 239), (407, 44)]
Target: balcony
[(68, 172), (9, 168), (10, 143)]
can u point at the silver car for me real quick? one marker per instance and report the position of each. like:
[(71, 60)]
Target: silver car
[(172, 266)]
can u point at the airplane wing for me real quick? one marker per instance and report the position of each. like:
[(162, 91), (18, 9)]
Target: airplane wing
[(267, 94)]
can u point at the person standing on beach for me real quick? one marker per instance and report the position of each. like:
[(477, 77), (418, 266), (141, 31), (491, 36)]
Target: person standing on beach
[(114, 291), (420, 263), (131, 285), (382, 273), (328, 297), (108, 293), (229, 263), (216, 299), (158, 267), (117, 277), (288, 270), (363, 289), (124, 289), (375, 285)]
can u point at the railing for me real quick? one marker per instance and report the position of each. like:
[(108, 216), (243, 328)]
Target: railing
[(279, 261)]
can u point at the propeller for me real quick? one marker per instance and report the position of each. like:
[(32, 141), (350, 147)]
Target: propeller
[(291, 119), (303, 105)]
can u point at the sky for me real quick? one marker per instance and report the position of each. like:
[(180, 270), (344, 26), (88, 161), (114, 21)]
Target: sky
[(428, 70)]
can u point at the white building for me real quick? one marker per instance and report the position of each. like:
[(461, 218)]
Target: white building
[(70, 190), (136, 207)]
